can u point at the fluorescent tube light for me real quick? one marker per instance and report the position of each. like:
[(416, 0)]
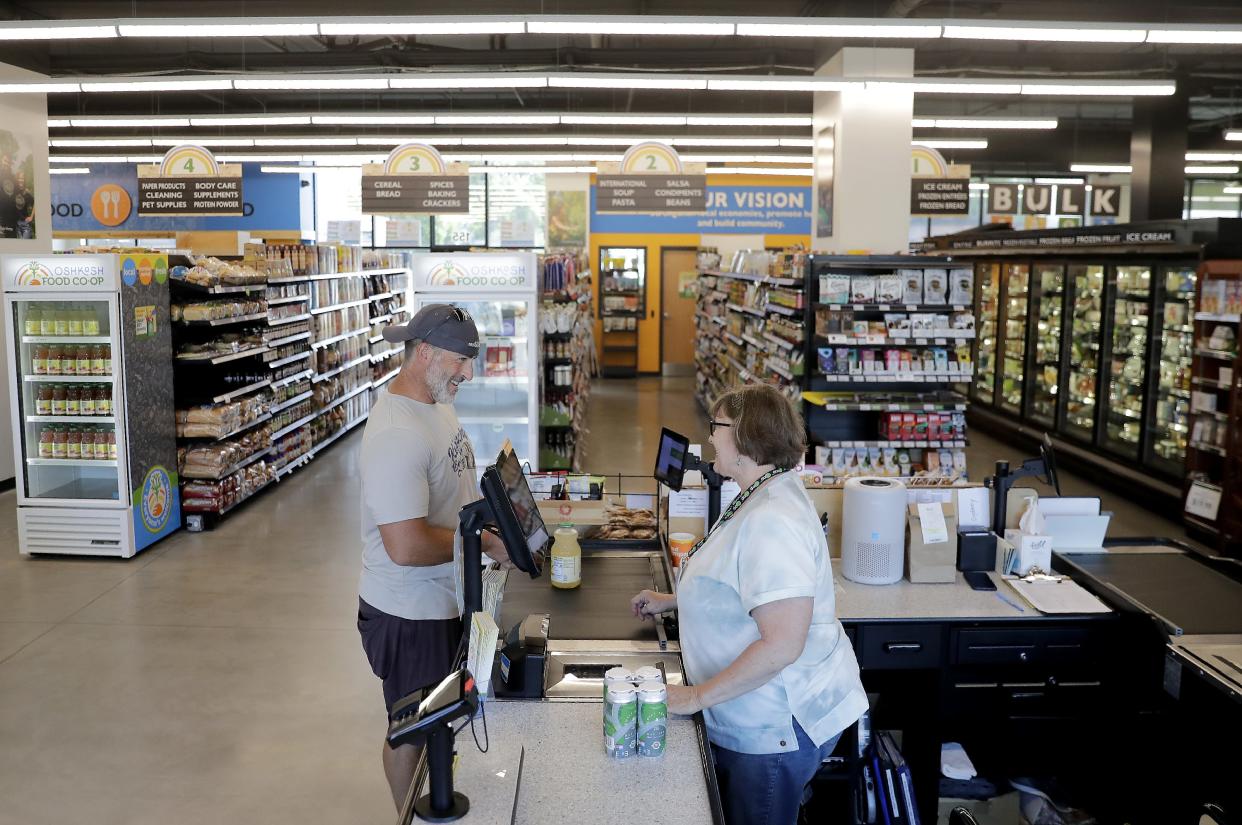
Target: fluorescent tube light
[(70, 170), (746, 120), (624, 120), (372, 120), (85, 143), (256, 158), (1197, 35), (86, 159), (1061, 181), (1212, 170), (415, 26), (42, 31), (1233, 134), (488, 120), (1211, 157), (56, 123), (980, 187), (306, 141), (860, 28), (587, 140), (251, 120), (513, 80), (800, 143), (143, 158), (933, 143), (119, 122), (1077, 33), (38, 88), (985, 123), (199, 28), (162, 85), (1095, 88), (312, 83), (624, 82), (725, 141), (654, 25), (1232, 190), (1102, 168), (779, 84), (948, 86)]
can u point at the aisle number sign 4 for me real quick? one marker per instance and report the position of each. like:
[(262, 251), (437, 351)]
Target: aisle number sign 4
[(415, 180), (189, 182)]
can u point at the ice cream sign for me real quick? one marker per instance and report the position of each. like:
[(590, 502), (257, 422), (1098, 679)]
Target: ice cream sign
[(415, 180), (60, 272)]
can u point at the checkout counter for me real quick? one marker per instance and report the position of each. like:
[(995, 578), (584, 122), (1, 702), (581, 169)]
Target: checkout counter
[(1132, 705)]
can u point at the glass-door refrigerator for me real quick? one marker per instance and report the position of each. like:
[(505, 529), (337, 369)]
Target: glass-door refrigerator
[(1048, 299), (988, 276), (622, 305), (500, 291), (1169, 423), (1086, 320), (90, 377), (1013, 364), (1127, 370)]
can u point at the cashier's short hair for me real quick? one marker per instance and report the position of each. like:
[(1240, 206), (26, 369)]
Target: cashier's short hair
[(766, 426)]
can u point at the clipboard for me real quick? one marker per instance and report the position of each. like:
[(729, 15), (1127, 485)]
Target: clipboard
[(1064, 596)]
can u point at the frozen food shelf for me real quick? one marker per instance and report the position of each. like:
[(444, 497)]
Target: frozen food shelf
[(1131, 414), (1220, 355), (70, 462), (338, 370), (71, 419), (238, 393), (225, 322), (1208, 448)]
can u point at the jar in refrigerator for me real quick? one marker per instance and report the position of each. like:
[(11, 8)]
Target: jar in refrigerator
[(112, 445), (47, 322), (73, 444), (107, 356), (59, 399), (43, 400), (60, 317), (86, 405), (103, 400), (51, 364), (46, 436), (69, 360), (38, 359), (60, 442), (100, 448), (34, 320), (83, 360), (97, 360), (90, 321), (73, 400), (75, 319)]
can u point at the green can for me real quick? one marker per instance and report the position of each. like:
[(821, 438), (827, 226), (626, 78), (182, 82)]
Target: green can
[(652, 719), (615, 675), (620, 720)]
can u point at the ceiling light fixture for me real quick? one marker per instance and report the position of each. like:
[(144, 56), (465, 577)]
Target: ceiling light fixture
[(985, 123), (414, 26), (489, 120), (1232, 190), (198, 27), (1097, 88), (372, 120), (1211, 35), (1214, 156), (306, 141), (780, 84), (746, 120), (1061, 181), (311, 84), (251, 120), (1015, 30), (937, 143), (658, 25), (103, 143), (757, 170), (38, 88), (1212, 170), (1101, 168), (224, 142), (70, 170), (512, 80), (162, 85), (623, 120), (626, 82), (948, 86), (42, 31), (841, 28)]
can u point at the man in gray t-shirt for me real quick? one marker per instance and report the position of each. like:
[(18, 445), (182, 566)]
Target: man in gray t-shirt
[(417, 469)]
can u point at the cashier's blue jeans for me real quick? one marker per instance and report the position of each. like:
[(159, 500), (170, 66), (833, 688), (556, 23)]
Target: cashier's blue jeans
[(767, 788)]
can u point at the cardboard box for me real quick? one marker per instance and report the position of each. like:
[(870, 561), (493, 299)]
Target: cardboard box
[(931, 563)]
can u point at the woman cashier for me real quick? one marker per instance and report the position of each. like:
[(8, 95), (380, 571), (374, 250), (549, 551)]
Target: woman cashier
[(769, 664)]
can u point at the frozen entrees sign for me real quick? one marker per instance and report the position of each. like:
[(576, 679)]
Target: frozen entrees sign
[(651, 179), (415, 180), (189, 183)]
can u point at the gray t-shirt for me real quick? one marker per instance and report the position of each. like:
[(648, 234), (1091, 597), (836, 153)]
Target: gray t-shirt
[(416, 462)]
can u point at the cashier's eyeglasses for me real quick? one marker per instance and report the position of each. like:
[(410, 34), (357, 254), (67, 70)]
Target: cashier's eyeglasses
[(714, 424)]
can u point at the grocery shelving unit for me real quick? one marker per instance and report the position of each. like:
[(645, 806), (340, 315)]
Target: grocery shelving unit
[(891, 349), (567, 358), (622, 306)]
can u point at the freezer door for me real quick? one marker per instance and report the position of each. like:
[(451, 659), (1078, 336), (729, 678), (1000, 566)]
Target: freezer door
[(66, 400), (988, 276), (1127, 370), (1045, 374), (1013, 365), (1086, 319), (1169, 424)]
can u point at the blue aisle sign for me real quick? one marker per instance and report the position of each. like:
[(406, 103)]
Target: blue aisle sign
[(106, 200), (731, 210)]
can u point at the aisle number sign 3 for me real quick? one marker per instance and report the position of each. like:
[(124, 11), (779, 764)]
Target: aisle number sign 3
[(651, 179), (189, 182), (415, 180)]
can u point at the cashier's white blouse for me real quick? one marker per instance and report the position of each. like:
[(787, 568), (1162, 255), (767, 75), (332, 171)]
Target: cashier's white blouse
[(773, 548)]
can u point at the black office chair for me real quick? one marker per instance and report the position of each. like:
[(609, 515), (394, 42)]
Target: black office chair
[(961, 816)]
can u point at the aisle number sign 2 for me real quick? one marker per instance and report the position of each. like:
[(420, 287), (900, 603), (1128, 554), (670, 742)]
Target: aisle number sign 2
[(189, 182), (651, 179), (415, 180)]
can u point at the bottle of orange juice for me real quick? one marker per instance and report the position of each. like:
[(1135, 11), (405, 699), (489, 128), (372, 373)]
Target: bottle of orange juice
[(566, 558)]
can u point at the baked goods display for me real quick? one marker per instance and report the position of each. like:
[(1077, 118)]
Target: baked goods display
[(218, 310), (624, 523), (217, 496), (228, 344), (218, 420), (214, 460)]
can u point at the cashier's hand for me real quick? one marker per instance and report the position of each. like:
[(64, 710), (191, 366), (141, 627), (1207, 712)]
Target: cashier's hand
[(649, 603), (496, 550), (683, 700)]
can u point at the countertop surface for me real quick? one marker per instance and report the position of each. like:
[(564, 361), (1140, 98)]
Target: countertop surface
[(565, 775), (905, 601)]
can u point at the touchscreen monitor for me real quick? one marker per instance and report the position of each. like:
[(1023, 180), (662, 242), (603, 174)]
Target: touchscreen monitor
[(517, 515), (671, 458)]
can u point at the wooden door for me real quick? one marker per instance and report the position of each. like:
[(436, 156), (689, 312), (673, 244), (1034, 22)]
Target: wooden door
[(678, 278)]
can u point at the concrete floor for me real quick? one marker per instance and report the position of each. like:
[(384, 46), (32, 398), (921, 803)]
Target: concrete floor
[(218, 677)]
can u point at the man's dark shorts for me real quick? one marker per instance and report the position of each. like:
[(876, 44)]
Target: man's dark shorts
[(407, 654)]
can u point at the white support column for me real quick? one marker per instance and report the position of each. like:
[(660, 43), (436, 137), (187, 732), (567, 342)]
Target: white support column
[(868, 134)]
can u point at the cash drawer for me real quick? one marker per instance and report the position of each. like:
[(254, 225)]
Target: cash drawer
[(1022, 646), (900, 646)]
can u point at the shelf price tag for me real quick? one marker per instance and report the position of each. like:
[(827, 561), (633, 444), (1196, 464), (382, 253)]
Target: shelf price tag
[(1203, 500), (876, 339)]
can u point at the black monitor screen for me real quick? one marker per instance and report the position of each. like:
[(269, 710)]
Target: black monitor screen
[(517, 515), (671, 458)]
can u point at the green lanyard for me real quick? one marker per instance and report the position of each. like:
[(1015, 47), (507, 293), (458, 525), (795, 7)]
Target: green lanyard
[(734, 505)]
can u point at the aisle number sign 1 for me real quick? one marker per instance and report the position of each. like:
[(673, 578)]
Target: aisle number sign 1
[(415, 180), (935, 189), (651, 179), (189, 182)]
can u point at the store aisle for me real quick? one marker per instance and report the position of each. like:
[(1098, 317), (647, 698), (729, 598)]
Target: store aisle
[(220, 673)]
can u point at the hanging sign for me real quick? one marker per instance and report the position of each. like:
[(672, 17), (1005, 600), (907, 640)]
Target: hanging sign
[(651, 179), (1105, 201), (415, 180), (936, 186), (189, 183)]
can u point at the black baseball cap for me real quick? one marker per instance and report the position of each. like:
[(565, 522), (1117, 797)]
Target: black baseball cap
[(441, 325)]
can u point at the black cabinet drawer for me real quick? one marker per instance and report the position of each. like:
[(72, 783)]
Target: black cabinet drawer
[(891, 647), (1059, 645)]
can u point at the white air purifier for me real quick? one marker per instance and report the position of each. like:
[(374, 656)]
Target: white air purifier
[(873, 530)]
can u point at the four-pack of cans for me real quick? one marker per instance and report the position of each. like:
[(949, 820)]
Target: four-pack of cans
[(635, 712)]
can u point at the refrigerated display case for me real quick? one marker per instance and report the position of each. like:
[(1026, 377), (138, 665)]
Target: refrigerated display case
[(988, 276), (1123, 415), (622, 305), (90, 378), (1169, 423), (1013, 365), (1086, 323), (500, 291), (1046, 369)]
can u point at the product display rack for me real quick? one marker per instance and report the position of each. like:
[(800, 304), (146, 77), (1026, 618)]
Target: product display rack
[(302, 383), (891, 348), (1213, 465), (622, 305), (751, 322), (1094, 347), (567, 358)]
